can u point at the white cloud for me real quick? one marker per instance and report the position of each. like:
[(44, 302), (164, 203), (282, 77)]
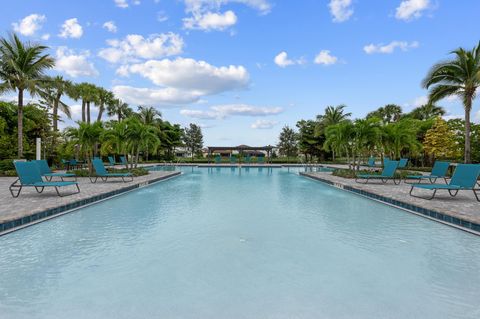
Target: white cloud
[(135, 46), (29, 25), (476, 117), (45, 36), (325, 58), (71, 29), (282, 60), (210, 21), (228, 110), (162, 16), (411, 9), (74, 64), (419, 101), (191, 75), (263, 124), (121, 3), (390, 48), (110, 26), (341, 10), (155, 96), (263, 6)]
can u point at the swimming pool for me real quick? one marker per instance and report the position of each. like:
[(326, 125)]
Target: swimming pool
[(231, 243)]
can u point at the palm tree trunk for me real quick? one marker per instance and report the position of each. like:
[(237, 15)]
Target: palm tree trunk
[(119, 114), (20, 123), (468, 107), (100, 113), (55, 115), (83, 111), (88, 112)]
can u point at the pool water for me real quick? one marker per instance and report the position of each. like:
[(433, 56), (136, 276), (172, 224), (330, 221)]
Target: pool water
[(231, 243)]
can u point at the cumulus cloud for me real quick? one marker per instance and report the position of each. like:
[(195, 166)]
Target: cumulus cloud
[(110, 26), (206, 15), (29, 25), (263, 124), (411, 9), (71, 29), (325, 58), (211, 21), (390, 48), (135, 46), (45, 36), (228, 110), (74, 64), (188, 74), (419, 101), (263, 6), (282, 60), (341, 10), (155, 96)]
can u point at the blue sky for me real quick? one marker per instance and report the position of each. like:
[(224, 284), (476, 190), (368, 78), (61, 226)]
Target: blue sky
[(243, 69)]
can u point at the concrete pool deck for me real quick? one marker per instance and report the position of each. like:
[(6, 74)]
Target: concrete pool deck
[(31, 207), (462, 211)]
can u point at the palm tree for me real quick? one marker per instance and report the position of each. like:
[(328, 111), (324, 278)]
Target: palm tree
[(388, 114), (86, 137), (104, 99), (116, 138), (400, 136), (339, 138), (120, 109), (427, 111), (140, 137), (85, 92), (148, 114), (459, 76), (53, 88), (365, 137), (22, 67), (333, 115)]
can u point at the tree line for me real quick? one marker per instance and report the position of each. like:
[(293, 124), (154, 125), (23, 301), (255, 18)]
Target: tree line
[(23, 70), (422, 134)]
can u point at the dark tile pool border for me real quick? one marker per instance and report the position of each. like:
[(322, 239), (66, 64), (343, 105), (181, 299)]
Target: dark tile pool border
[(444, 218), (24, 221)]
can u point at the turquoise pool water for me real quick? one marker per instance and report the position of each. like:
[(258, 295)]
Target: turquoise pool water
[(225, 243)]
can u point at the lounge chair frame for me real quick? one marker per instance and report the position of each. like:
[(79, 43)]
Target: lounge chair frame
[(39, 189)]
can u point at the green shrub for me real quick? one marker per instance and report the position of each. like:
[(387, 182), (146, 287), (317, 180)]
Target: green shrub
[(136, 172), (348, 173), (6, 165)]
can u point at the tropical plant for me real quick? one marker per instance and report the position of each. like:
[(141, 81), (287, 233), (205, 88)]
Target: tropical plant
[(86, 138), (141, 137), (310, 143), (459, 76), (400, 136), (119, 109), (103, 99), (388, 114), (288, 142), (22, 67), (333, 115), (115, 138), (339, 139), (149, 114), (426, 111), (53, 88), (365, 138)]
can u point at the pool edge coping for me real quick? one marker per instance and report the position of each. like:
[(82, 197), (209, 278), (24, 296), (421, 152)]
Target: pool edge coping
[(410, 208), (54, 212)]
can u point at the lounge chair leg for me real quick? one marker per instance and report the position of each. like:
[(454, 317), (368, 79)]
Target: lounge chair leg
[(49, 178), (395, 181), (41, 189), (427, 198), (14, 185), (93, 180), (454, 194), (476, 195)]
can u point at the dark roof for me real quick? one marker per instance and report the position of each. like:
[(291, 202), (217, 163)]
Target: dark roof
[(240, 148)]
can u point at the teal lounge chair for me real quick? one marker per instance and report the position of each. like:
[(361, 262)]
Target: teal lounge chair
[(46, 172), (371, 162), (101, 172), (123, 160), (388, 173), (233, 159), (439, 170), (218, 159), (464, 178), (403, 163), (29, 176), (260, 159), (385, 160), (111, 161), (248, 159)]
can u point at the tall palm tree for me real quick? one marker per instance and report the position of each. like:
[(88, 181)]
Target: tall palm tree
[(115, 138), (119, 109), (22, 67), (104, 99), (388, 114), (141, 137), (339, 138), (53, 88), (333, 115), (459, 76), (86, 93), (86, 136)]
